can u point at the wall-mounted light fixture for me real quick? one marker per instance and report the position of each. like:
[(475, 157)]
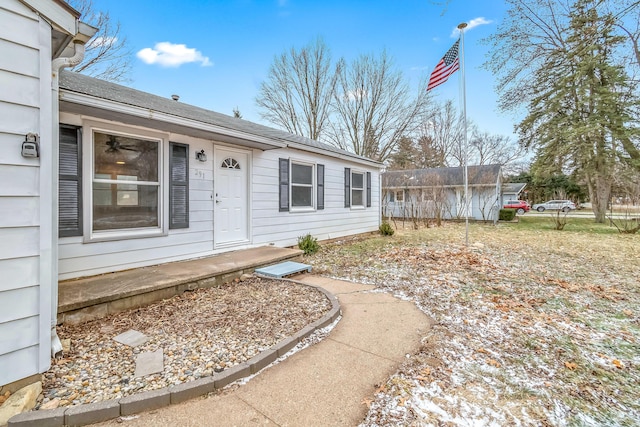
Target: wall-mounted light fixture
[(30, 146), (201, 156)]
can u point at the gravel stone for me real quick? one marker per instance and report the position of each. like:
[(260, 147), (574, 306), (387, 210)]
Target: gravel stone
[(200, 332)]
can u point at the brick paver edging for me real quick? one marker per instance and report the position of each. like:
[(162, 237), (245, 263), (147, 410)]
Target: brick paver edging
[(91, 413)]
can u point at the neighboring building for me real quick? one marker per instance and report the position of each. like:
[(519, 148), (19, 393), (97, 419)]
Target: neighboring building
[(512, 191), (37, 37), (439, 193), (147, 180), (125, 179)]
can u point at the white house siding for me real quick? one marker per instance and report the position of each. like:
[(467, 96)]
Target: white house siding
[(78, 258), (25, 106), (483, 204), (267, 225), (284, 228)]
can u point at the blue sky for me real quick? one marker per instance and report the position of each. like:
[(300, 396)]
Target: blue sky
[(215, 54)]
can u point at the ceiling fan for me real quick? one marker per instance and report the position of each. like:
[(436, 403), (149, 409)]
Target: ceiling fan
[(114, 146)]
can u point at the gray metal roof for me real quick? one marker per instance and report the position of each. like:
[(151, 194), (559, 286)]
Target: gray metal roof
[(254, 134), (432, 177)]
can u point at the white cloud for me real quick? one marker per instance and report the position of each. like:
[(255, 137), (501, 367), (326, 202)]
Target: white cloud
[(168, 54), (475, 22)]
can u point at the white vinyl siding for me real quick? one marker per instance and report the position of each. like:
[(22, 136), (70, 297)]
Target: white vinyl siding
[(281, 228), (78, 259), (25, 204), (267, 223)]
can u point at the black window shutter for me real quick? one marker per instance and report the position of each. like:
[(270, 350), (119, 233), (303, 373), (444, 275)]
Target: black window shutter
[(178, 185), (347, 187), (284, 185), (70, 182), (368, 189), (320, 185)]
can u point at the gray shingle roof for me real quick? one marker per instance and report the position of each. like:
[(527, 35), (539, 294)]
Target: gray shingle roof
[(78, 83), (477, 175), (513, 187)]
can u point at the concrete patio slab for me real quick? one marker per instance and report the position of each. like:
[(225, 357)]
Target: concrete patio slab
[(149, 362), (132, 338)]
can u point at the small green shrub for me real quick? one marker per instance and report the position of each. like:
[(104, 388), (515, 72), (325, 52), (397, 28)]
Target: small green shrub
[(507, 214), (308, 244), (386, 229)]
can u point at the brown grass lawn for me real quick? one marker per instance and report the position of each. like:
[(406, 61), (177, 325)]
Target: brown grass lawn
[(532, 326)]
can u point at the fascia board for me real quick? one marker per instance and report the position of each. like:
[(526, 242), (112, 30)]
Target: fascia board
[(55, 13), (340, 156)]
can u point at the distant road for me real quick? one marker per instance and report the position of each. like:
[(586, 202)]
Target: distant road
[(581, 213)]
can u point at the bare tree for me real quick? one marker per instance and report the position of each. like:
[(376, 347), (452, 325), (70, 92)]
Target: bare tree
[(441, 134), (537, 28), (373, 107), (107, 55), (627, 16), (297, 93), (491, 149)]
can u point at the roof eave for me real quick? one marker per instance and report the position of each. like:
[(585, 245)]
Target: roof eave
[(78, 103)]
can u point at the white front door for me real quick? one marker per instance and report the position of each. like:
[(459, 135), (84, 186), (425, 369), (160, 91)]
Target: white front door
[(231, 197)]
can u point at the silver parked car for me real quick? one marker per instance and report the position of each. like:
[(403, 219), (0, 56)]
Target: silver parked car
[(555, 205)]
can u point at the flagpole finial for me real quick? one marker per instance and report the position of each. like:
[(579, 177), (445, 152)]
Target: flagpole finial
[(462, 26)]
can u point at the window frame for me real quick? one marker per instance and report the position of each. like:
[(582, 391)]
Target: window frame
[(162, 184), (362, 189), (313, 186)]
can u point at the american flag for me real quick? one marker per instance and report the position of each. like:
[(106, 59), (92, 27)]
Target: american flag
[(449, 64)]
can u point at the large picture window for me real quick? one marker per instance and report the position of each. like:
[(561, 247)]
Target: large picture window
[(126, 183)]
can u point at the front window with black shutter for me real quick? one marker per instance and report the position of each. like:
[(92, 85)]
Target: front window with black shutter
[(357, 189), (301, 186), (178, 185), (70, 182)]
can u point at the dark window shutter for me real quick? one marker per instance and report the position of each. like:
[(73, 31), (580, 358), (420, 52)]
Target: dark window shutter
[(347, 187), (368, 189), (320, 185), (284, 185), (178, 185), (70, 182)]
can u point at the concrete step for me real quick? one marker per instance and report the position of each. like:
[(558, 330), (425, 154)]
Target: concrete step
[(81, 300)]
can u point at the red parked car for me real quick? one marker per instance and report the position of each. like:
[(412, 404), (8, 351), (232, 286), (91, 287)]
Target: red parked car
[(519, 205)]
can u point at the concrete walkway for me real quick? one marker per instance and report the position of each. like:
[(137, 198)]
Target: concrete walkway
[(323, 385)]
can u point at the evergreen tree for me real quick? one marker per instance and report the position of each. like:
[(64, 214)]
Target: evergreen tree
[(404, 156), (580, 118)]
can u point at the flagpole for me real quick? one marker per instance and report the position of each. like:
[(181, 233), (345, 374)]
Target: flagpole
[(467, 205)]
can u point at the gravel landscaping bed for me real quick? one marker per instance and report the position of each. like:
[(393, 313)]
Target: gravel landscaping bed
[(199, 332)]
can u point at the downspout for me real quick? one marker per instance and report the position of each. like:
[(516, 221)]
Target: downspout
[(57, 65)]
